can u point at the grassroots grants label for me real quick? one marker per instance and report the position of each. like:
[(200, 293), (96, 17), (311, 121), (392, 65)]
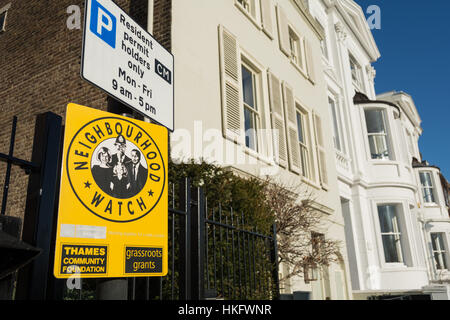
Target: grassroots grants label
[(143, 260), (115, 169), (84, 259)]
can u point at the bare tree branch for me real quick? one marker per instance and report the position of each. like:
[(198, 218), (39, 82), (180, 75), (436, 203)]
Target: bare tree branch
[(299, 245)]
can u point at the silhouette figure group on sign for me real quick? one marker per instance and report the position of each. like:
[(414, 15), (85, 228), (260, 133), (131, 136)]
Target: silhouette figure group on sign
[(118, 175)]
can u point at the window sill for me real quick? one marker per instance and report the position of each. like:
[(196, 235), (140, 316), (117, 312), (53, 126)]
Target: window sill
[(250, 151), (299, 69), (258, 156), (394, 266), (431, 205), (311, 183), (382, 162), (443, 272), (249, 16)]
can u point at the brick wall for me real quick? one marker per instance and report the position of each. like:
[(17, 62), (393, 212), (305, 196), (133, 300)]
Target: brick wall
[(40, 71), (162, 22)]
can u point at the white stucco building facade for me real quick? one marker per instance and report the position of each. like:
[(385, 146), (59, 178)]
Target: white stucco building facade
[(251, 96), (432, 201), (375, 140)]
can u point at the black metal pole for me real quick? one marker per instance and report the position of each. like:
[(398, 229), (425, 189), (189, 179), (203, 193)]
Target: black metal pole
[(185, 241), (198, 244), (115, 288), (274, 260)]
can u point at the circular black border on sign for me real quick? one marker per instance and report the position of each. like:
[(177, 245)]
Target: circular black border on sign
[(70, 181)]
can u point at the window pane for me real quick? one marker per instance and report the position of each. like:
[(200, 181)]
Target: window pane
[(425, 179), (247, 5), (356, 70), (2, 20), (437, 241), (375, 121), (337, 139), (293, 45), (428, 196), (250, 129), (378, 147), (387, 216), (390, 233), (304, 154), (300, 128), (439, 251), (441, 264), (391, 248), (247, 87)]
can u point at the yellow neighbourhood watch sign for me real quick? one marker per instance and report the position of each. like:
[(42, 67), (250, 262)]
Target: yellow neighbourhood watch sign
[(113, 204)]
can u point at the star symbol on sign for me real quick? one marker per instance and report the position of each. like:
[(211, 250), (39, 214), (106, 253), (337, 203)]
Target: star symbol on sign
[(87, 184), (150, 193)]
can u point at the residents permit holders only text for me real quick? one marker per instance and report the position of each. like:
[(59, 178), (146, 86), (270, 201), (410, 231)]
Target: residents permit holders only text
[(123, 59)]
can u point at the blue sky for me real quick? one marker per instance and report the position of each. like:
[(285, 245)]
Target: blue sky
[(414, 42)]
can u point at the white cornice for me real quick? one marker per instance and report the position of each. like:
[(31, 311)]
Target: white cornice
[(406, 103), (358, 26)]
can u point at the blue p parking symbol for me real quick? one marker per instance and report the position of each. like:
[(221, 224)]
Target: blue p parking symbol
[(103, 24)]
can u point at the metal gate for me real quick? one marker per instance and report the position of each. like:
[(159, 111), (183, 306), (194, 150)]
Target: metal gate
[(211, 256)]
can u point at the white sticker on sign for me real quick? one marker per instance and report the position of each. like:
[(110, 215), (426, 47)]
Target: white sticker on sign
[(82, 232)]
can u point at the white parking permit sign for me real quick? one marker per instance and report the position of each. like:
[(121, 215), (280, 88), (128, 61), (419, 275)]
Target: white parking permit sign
[(123, 59)]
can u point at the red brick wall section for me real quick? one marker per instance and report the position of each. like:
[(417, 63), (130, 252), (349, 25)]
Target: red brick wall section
[(162, 22), (40, 72)]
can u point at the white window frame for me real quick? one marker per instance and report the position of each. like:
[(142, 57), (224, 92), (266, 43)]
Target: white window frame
[(441, 252), (251, 9), (337, 123), (432, 187), (386, 134), (359, 81), (305, 148), (297, 54), (398, 234), (256, 110)]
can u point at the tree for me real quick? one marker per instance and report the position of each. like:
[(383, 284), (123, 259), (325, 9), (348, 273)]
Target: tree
[(263, 202), (300, 246)]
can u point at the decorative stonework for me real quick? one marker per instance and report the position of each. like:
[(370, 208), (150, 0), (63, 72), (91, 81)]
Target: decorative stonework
[(340, 31), (371, 72)]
